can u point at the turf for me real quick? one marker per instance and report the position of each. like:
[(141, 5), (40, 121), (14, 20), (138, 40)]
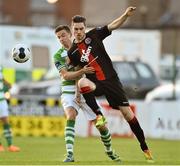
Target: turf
[(88, 151)]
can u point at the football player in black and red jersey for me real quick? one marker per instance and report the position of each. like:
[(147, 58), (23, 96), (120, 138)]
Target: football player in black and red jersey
[(88, 50)]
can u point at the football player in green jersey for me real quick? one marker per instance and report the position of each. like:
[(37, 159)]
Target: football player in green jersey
[(4, 116), (71, 100)]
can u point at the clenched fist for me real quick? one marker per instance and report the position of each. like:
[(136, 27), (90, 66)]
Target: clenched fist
[(130, 11)]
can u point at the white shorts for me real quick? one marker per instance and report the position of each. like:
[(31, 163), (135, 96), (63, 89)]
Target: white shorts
[(68, 100), (3, 109)]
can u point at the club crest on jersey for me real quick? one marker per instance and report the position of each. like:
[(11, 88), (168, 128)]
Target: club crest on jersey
[(88, 40), (85, 54)]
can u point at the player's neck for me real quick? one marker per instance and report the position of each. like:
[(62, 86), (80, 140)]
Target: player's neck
[(67, 46)]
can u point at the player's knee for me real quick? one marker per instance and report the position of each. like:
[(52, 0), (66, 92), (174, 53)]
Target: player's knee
[(127, 113), (70, 117), (70, 114), (86, 86)]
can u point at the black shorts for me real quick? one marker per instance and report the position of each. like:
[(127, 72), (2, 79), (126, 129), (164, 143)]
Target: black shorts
[(113, 90)]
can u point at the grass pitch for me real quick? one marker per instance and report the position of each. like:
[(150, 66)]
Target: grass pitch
[(88, 151)]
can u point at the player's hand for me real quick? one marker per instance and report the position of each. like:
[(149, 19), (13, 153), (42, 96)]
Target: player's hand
[(88, 70), (130, 11)]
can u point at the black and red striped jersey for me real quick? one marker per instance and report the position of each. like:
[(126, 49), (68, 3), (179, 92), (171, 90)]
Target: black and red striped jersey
[(91, 51)]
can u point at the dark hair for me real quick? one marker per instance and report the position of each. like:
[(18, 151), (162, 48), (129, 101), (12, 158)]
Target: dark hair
[(62, 27), (78, 19)]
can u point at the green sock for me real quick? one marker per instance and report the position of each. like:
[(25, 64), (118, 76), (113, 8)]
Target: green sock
[(69, 136), (7, 134), (106, 139)]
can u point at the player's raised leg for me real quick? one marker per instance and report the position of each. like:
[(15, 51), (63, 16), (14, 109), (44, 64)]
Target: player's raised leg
[(87, 88)]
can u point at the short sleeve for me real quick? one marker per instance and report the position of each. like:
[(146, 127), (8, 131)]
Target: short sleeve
[(102, 32), (59, 61)]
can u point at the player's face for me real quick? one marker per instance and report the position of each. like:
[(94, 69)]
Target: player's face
[(64, 38), (79, 31)]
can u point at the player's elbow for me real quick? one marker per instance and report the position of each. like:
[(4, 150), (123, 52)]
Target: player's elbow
[(112, 26)]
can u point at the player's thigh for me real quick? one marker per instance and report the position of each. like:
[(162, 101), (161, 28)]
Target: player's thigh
[(68, 103), (86, 83), (86, 86), (3, 109), (115, 93), (127, 112)]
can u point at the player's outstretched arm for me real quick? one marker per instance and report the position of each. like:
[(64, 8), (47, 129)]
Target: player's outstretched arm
[(119, 21)]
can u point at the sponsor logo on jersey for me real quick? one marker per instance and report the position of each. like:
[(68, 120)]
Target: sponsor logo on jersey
[(85, 54)]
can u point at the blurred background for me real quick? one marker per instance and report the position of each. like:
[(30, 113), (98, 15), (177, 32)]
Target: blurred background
[(145, 52)]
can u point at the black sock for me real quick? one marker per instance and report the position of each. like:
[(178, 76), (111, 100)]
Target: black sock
[(91, 102), (138, 132)]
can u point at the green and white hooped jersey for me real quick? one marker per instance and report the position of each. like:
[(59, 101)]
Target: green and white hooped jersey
[(1, 85), (60, 61)]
